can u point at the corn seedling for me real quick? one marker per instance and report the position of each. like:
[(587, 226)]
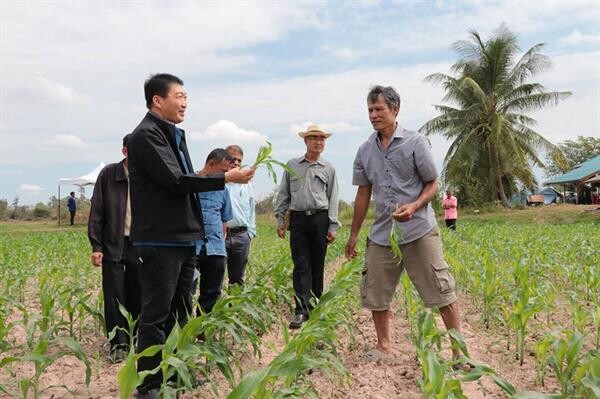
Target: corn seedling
[(395, 238), (264, 159), (564, 359)]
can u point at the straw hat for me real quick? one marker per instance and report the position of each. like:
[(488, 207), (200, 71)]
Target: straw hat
[(314, 130)]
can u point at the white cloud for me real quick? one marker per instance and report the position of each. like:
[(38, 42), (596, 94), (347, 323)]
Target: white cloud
[(343, 53), (225, 131), (577, 38), (331, 127), (267, 66), (64, 141), (57, 92), (30, 189)]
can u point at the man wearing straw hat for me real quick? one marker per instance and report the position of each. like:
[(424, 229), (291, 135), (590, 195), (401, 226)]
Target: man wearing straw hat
[(311, 196)]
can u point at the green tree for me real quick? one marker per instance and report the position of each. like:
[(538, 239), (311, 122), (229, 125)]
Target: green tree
[(493, 146), (267, 204), (3, 208), (41, 210), (571, 153)]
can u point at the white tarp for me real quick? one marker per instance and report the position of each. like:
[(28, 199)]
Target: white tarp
[(85, 180)]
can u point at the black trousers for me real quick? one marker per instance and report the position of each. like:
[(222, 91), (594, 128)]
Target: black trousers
[(212, 271), (308, 242), (166, 280), (121, 285), (237, 246), (72, 217), (451, 224)]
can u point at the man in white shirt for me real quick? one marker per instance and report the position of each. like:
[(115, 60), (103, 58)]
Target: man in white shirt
[(242, 229)]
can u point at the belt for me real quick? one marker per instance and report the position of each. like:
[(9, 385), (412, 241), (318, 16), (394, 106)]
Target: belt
[(308, 212), (237, 229)]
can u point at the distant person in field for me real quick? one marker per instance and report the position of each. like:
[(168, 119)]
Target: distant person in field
[(396, 167), (450, 204), (72, 206), (108, 231), (242, 228), (311, 196), (216, 212), (166, 219)]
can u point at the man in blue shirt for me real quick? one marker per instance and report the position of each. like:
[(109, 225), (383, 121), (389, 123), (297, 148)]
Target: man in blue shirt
[(71, 204), (216, 212), (242, 227)]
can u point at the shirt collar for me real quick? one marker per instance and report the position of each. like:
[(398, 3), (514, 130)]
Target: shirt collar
[(318, 161), (161, 118), (398, 133)]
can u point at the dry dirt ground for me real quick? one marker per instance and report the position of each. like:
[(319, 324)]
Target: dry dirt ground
[(393, 378)]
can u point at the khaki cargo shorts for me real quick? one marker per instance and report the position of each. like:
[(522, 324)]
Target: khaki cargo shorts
[(424, 262)]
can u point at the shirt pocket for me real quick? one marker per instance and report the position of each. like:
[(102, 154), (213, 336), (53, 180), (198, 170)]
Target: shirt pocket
[(319, 185), (402, 165), (295, 184)]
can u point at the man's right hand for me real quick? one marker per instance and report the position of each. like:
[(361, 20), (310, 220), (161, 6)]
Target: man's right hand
[(281, 231), (351, 247), (97, 259), (239, 175)]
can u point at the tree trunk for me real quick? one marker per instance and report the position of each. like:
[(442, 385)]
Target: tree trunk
[(501, 193)]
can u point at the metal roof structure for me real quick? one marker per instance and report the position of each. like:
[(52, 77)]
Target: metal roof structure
[(595, 179), (579, 174)]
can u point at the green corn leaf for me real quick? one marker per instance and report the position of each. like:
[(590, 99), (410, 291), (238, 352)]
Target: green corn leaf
[(263, 159), (395, 237), (535, 395), (79, 353), (127, 378), (249, 384)]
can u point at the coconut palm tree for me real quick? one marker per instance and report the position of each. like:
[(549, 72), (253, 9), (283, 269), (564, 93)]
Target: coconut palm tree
[(493, 146)]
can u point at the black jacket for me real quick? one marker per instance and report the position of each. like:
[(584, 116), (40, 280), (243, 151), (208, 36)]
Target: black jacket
[(164, 206), (107, 214)]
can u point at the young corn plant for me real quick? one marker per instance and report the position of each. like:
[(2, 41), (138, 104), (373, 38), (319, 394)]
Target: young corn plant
[(524, 307), (395, 238), (264, 159), (564, 360), (491, 284), (596, 319), (40, 355), (436, 382), (579, 314), (284, 375), (541, 356), (587, 376)]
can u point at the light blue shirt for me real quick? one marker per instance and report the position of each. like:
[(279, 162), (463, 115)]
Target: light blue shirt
[(242, 202), (216, 210)]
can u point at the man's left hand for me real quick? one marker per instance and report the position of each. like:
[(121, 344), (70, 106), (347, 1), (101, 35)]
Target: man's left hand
[(330, 237), (405, 212)]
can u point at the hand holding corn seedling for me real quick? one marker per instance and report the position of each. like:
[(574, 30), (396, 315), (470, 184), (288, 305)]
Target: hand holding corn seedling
[(404, 213), (264, 159), (396, 234)]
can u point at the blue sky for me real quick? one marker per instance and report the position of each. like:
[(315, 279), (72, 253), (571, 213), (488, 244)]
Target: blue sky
[(71, 75)]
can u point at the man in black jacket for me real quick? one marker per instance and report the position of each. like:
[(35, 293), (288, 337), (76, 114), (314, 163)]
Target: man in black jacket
[(166, 223), (108, 231)]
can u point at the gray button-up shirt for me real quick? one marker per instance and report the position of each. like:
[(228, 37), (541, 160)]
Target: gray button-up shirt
[(316, 188), (397, 176)]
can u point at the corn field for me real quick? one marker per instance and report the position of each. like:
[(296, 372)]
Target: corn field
[(535, 286)]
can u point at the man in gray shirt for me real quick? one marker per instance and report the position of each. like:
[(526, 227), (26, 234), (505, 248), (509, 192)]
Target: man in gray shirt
[(311, 196), (396, 166)]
